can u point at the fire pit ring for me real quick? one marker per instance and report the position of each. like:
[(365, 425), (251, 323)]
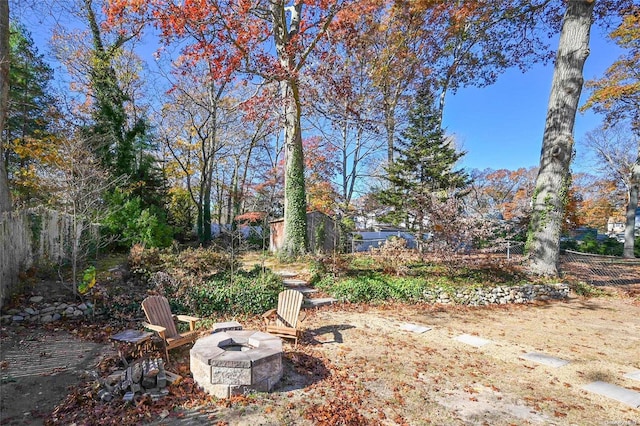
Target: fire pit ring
[(235, 362)]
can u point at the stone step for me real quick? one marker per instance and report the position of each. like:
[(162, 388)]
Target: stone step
[(475, 341), (306, 290), (289, 282), (320, 301), (286, 274), (635, 375), (618, 393), (544, 359)]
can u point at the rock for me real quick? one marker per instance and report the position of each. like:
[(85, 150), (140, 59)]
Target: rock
[(78, 313), (105, 395), (47, 309), (17, 318), (47, 318), (36, 299), (56, 316), (31, 311), (83, 307)]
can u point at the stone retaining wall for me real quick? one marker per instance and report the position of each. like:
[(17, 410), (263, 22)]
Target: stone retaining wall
[(38, 312), (498, 295)]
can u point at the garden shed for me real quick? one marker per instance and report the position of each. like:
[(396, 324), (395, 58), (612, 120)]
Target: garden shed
[(323, 233)]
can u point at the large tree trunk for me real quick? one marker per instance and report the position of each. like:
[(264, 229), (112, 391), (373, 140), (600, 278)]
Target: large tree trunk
[(295, 203), (630, 225), (5, 195), (552, 183)]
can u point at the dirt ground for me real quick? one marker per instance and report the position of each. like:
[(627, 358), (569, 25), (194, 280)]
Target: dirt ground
[(356, 365), (38, 366), (392, 376)]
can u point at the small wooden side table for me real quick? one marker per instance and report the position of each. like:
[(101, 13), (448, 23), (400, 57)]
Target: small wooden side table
[(131, 341)]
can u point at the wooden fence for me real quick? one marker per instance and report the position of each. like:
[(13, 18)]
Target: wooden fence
[(28, 237)]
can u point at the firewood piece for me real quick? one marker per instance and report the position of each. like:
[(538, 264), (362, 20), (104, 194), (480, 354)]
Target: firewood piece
[(172, 378), (136, 373), (150, 368)]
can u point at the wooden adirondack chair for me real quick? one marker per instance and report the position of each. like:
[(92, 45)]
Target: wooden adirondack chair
[(158, 313), (283, 321)]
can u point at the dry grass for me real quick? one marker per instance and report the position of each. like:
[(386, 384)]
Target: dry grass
[(357, 366)]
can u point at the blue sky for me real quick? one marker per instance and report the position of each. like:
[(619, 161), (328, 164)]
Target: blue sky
[(501, 126)]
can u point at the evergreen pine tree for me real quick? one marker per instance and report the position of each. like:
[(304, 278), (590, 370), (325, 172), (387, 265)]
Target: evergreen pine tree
[(423, 167), (29, 114)]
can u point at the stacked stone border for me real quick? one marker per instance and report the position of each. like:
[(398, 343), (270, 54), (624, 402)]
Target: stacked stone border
[(497, 295), (42, 313), (38, 312)]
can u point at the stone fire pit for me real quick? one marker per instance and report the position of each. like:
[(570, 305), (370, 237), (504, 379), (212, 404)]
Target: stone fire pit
[(235, 362)]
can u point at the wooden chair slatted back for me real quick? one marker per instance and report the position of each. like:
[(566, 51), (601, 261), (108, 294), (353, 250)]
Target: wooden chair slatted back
[(289, 304), (158, 312)]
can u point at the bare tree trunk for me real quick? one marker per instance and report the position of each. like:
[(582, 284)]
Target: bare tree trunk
[(390, 127), (630, 225), (5, 195), (552, 183)]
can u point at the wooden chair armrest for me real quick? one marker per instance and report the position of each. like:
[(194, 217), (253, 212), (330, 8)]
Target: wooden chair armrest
[(157, 328), (188, 318), (269, 313)]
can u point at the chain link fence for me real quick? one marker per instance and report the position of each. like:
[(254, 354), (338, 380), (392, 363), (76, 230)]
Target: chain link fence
[(596, 270), (599, 270)]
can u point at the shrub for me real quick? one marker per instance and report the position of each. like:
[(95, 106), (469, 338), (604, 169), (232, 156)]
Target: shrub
[(587, 290), (375, 287), (317, 270), (246, 292), (393, 256), (132, 223), (364, 262), (203, 261), (608, 247), (185, 267), (143, 262)]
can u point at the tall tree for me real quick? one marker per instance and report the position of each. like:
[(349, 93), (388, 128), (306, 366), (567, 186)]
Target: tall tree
[(424, 164), (506, 193), (617, 96), (601, 197), (272, 39), (552, 183), (321, 166), (617, 153), (30, 111), (5, 195), (190, 129), (453, 44), (344, 110), (105, 73)]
